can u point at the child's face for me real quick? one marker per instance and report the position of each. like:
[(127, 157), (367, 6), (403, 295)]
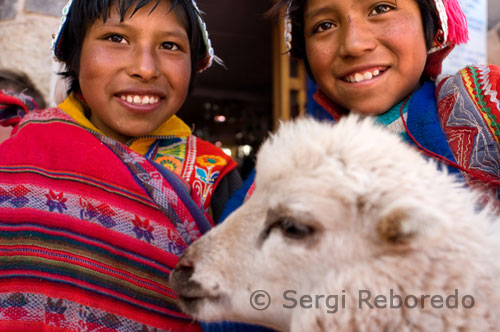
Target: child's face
[(134, 75), (366, 55)]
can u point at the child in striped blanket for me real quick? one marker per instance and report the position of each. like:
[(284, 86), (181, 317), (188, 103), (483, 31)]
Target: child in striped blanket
[(100, 195)]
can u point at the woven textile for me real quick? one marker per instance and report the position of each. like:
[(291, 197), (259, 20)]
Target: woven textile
[(458, 119), (89, 231), (474, 136)]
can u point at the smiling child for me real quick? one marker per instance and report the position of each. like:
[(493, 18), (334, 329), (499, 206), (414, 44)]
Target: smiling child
[(384, 58), (100, 195)]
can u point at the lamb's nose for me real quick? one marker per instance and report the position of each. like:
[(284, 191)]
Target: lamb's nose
[(180, 278), (185, 266)]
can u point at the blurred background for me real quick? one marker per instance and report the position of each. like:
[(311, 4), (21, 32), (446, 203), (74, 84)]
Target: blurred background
[(237, 106)]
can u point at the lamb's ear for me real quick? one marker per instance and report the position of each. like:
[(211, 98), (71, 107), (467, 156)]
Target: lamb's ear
[(408, 222)]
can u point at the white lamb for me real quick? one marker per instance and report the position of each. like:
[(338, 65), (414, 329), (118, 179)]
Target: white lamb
[(348, 229)]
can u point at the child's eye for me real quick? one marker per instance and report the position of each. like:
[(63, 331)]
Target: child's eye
[(323, 27), (380, 9), (116, 39), (169, 46)]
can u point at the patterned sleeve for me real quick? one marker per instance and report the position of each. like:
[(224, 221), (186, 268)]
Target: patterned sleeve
[(469, 113)]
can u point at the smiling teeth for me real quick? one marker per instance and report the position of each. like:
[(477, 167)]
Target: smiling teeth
[(145, 100), (358, 77)]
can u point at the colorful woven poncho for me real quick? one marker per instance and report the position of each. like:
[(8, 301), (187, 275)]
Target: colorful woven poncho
[(457, 120), (89, 229)]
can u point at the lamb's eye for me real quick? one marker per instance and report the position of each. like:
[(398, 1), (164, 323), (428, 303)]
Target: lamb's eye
[(295, 230)]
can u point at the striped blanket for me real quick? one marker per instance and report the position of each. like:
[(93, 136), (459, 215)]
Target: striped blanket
[(89, 230)]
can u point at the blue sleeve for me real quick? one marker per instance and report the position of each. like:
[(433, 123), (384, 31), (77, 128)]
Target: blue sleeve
[(312, 107), (233, 327), (232, 204), (238, 197)]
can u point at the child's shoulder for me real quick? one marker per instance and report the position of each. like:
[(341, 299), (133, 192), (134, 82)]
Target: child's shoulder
[(208, 153), (481, 74), (475, 75), (479, 82)]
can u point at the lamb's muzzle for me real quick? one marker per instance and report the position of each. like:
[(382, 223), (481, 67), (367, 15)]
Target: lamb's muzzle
[(190, 293)]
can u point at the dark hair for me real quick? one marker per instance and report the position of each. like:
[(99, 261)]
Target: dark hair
[(430, 21), (20, 82), (84, 13)]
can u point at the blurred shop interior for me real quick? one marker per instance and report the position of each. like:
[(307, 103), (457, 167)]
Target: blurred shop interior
[(235, 107)]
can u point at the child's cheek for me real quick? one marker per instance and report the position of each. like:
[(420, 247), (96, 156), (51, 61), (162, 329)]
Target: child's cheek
[(403, 31), (95, 61)]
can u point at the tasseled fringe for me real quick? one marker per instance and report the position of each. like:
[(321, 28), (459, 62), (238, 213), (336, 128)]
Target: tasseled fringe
[(207, 63), (458, 32), (219, 61)]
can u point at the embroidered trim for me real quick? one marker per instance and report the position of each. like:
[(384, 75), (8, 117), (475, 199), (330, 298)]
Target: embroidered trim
[(190, 158)]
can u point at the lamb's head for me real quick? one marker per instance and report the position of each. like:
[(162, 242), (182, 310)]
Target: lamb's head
[(329, 201)]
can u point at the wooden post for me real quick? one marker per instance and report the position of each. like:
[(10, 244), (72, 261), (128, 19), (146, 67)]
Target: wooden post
[(289, 80)]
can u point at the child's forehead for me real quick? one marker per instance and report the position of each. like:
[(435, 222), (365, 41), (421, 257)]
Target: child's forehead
[(120, 10), (307, 3), (127, 9), (311, 8)]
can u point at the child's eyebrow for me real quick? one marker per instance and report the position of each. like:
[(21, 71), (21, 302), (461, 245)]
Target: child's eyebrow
[(180, 33), (173, 33), (318, 11)]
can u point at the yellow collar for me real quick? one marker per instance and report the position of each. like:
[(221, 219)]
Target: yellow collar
[(172, 127)]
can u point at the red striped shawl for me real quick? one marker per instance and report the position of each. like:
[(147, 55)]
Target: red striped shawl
[(89, 231)]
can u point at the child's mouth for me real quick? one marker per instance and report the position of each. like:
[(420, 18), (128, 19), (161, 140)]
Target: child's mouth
[(362, 76), (140, 100)]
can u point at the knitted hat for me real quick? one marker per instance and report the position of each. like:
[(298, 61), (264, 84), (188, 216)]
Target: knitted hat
[(205, 62), (452, 31)]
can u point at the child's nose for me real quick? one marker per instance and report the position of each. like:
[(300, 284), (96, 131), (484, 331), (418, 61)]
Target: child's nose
[(357, 38), (144, 64)]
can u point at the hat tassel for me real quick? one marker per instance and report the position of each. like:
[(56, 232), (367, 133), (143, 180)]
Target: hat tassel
[(457, 23)]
